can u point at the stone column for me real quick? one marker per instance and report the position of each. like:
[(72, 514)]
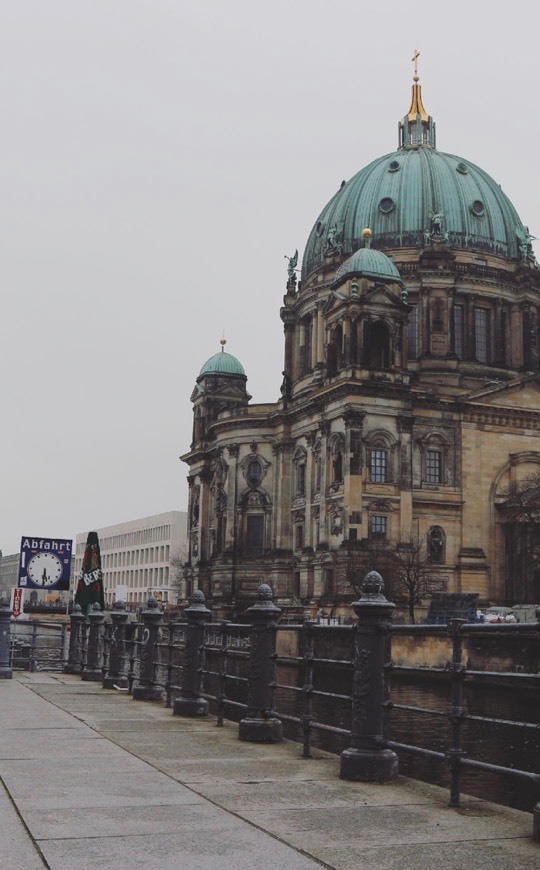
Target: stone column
[(230, 536), (324, 427), (92, 671), (190, 702), (114, 678), (516, 332), (145, 689), (366, 760), (288, 363), (425, 312), (469, 349), (314, 342), (73, 664), (451, 323), (498, 356), (5, 640), (259, 725), (205, 477), (346, 341), (405, 428), (320, 333), (300, 356)]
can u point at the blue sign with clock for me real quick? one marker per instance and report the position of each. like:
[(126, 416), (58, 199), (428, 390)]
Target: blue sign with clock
[(45, 563)]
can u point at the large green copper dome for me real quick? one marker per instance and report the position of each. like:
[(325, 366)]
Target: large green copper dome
[(407, 196)]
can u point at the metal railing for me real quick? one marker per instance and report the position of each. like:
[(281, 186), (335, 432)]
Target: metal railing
[(310, 677)]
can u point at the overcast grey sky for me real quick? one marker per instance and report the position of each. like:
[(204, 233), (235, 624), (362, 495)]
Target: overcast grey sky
[(159, 159)]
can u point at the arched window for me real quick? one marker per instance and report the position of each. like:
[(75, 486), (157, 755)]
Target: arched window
[(254, 472), (299, 468), (335, 351), (434, 449), (381, 457)]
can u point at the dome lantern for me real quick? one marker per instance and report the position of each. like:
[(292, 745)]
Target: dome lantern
[(417, 128)]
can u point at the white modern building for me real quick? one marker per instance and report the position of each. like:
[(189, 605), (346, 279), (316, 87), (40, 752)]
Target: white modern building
[(139, 556)]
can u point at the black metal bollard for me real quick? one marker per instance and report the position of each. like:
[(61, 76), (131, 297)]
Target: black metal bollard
[(145, 689), (259, 725), (367, 759), (190, 702), (91, 671), (73, 664), (5, 640), (114, 678)]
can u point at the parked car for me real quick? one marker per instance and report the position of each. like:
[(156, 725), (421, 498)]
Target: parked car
[(499, 614)]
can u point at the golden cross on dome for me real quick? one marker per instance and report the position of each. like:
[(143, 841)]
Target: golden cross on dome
[(414, 59)]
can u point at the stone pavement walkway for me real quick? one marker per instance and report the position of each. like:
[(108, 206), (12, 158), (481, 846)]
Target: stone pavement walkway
[(92, 779)]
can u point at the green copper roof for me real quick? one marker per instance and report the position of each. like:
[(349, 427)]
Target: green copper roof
[(396, 195), (370, 264), (222, 364)]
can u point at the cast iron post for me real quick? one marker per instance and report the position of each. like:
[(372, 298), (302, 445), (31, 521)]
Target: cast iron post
[(114, 678), (259, 725), (73, 664), (91, 671), (190, 702), (367, 759), (145, 689), (5, 639)]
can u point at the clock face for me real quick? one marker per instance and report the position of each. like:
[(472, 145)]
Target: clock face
[(44, 569)]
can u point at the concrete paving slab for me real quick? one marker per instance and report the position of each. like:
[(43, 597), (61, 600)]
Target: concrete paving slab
[(239, 848), (498, 854), (271, 796), (245, 770), (139, 787), (18, 850), (72, 823), (376, 826)]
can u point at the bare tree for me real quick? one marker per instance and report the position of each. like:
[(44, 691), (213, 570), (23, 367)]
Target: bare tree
[(404, 567), (522, 499), (177, 564), (411, 574)]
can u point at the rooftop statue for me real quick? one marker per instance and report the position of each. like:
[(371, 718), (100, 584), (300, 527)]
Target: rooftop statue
[(335, 237), (291, 268), (524, 242)]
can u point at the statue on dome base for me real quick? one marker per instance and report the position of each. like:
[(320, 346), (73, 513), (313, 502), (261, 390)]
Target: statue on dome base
[(436, 232), (334, 238)]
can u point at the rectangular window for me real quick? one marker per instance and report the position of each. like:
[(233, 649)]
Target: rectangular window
[(458, 330), (301, 479), (412, 333), (377, 466), (377, 525), (299, 537), (481, 334), (254, 535), (433, 466)]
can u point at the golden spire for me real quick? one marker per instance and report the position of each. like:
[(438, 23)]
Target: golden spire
[(417, 106), (416, 127)]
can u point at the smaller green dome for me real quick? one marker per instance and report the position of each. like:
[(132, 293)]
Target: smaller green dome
[(222, 364), (367, 263)]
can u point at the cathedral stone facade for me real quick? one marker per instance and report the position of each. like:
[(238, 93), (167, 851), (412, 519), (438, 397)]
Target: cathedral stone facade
[(409, 399)]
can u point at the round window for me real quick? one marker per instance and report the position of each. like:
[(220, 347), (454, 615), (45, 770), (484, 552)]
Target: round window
[(319, 228), (387, 205), (477, 208), (462, 168), (394, 166)]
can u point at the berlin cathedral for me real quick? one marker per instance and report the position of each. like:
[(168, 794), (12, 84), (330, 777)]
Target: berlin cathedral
[(409, 399)]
